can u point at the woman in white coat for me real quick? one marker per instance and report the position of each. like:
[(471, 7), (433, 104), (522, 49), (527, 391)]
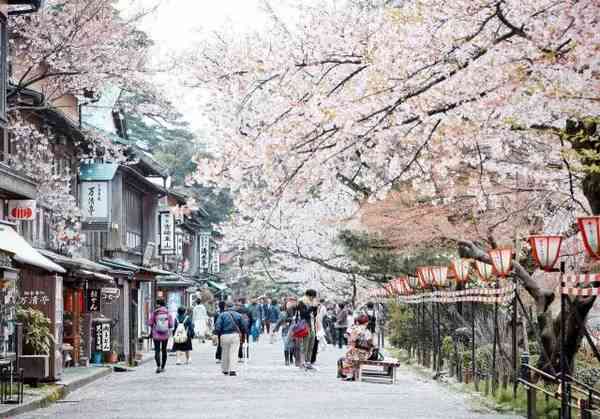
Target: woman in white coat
[(200, 320)]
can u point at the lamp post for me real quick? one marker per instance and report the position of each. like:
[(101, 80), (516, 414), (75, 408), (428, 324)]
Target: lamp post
[(426, 281), (546, 251), (413, 282), (461, 269), (502, 263), (440, 280)]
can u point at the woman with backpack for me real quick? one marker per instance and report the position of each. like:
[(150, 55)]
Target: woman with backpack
[(183, 332), (161, 323)]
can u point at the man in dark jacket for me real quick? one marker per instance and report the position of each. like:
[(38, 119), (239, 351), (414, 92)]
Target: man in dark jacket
[(229, 327), (249, 319)]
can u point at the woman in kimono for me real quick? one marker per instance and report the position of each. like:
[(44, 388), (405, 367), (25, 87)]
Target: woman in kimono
[(360, 344), (200, 316)]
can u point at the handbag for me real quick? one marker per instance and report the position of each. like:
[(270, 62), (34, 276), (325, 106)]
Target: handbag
[(300, 329)]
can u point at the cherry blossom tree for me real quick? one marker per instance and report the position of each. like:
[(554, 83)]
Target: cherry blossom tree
[(474, 107)]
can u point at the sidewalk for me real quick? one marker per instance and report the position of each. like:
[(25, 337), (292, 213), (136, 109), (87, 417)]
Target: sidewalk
[(73, 379)]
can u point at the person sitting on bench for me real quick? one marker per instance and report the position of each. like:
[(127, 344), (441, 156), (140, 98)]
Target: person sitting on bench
[(360, 343)]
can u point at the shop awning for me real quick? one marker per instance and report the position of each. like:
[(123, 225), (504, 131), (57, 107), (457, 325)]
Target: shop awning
[(97, 275), (11, 241), (74, 263), (128, 266), (217, 285)]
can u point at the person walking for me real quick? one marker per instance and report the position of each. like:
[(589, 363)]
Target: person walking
[(183, 332), (305, 317), (284, 323), (161, 323), (254, 317), (244, 347), (229, 326), (200, 316), (320, 341), (273, 317), (341, 324), (219, 350)]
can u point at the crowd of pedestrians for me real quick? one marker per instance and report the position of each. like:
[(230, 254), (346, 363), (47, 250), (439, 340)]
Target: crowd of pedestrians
[(306, 326)]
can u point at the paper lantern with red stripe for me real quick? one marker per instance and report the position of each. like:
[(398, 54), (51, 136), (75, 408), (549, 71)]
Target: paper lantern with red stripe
[(440, 276), (546, 250), (485, 271), (461, 268), (501, 261), (589, 227)]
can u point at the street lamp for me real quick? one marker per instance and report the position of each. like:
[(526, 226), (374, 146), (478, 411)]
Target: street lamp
[(546, 250), (590, 231)]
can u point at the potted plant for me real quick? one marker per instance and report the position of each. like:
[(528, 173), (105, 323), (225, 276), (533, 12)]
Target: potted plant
[(37, 342), (112, 357)]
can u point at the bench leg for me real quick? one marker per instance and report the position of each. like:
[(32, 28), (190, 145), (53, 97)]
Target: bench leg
[(394, 375)]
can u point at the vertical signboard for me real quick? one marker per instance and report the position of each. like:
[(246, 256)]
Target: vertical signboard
[(179, 244), (166, 225), (93, 300), (215, 263), (204, 240), (93, 201)]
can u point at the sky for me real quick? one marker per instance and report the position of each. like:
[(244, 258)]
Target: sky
[(177, 24)]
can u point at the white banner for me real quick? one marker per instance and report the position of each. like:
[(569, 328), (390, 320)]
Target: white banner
[(93, 200), (215, 263)]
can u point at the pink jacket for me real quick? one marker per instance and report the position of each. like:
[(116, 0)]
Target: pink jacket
[(156, 335)]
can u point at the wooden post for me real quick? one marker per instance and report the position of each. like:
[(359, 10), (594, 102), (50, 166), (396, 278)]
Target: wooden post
[(76, 325)]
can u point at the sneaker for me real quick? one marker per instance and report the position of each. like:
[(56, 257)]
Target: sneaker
[(158, 370), (225, 373), (162, 369), (232, 373)]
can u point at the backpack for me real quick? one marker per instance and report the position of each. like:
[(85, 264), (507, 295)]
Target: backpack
[(161, 322), (181, 335)]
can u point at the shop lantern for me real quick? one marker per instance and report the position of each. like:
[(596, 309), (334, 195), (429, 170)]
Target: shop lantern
[(589, 227), (425, 277), (461, 268), (413, 283), (484, 270), (440, 275), (501, 261), (546, 250), (389, 289)]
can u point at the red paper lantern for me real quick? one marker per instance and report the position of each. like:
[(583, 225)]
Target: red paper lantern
[(546, 250), (440, 275), (501, 261), (589, 227), (461, 268), (425, 276), (413, 283), (484, 270)]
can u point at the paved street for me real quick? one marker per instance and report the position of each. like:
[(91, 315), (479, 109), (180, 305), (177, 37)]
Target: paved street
[(265, 389)]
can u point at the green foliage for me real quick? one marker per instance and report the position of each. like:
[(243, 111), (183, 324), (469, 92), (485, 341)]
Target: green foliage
[(379, 256), (36, 330), (176, 147), (402, 326), (447, 347)]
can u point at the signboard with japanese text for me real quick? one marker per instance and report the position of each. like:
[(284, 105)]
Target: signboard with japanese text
[(22, 209), (102, 337), (93, 300), (179, 244), (215, 263), (166, 225), (204, 241), (109, 295), (93, 200), (148, 253)]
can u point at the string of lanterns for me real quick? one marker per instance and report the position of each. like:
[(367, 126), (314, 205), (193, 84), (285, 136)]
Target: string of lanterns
[(545, 250)]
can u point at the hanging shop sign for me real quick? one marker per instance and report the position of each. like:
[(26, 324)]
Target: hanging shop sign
[(109, 295), (215, 264), (102, 337), (148, 253), (179, 244), (93, 201), (166, 225), (93, 300), (21, 209)]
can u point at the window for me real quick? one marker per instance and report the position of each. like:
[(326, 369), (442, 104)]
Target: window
[(132, 202)]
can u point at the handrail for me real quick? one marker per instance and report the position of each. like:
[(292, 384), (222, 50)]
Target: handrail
[(584, 385), (544, 373)]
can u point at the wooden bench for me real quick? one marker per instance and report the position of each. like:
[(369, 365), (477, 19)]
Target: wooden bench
[(377, 371)]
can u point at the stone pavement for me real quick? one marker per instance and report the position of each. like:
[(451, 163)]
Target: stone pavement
[(265, 389)]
